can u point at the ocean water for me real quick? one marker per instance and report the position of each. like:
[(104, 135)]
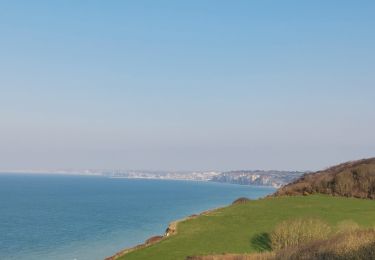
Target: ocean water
[(89, 218)]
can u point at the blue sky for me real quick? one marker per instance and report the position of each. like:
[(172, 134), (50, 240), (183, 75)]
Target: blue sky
[(185, 85)]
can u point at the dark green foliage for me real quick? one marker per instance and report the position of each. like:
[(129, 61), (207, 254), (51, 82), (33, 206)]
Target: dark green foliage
[(241, 200), (262, 242)]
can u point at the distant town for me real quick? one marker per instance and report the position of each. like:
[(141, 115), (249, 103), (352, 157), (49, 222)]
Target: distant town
[(272, 178), (244, 177)]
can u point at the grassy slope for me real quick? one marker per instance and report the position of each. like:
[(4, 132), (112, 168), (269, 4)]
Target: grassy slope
[(238, 228)]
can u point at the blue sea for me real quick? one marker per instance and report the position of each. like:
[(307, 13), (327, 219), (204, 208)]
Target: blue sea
[(89, 218)]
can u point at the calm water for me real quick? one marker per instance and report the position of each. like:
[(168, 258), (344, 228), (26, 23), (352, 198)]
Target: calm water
[(88, 218)]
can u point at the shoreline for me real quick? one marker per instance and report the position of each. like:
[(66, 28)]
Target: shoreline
[(171, 230), (172, 226), (127, 232)]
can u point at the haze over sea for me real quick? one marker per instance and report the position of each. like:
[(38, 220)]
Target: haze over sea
[(89, 218)]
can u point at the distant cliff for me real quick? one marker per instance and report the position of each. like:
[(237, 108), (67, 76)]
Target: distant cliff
[(244, 177), (264, 178)]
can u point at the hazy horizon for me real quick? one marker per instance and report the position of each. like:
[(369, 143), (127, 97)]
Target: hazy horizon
[(186, 85)]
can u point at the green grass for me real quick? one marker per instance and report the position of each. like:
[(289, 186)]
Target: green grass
[(243, 228)]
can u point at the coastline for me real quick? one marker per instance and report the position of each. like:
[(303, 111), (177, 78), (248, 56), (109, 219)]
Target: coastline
[(171, 230), (125, 230), (173, 226)]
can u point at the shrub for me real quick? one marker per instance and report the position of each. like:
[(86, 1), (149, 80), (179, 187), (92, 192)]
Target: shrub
[(153, 239), (351, 179), (257, 256), (241, 200), (346, 226), (295, 232), (358, 244), (352, 245)]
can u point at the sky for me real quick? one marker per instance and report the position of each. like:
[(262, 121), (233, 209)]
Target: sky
[(186, 85)]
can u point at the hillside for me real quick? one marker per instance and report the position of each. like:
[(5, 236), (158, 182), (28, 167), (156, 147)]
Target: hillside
[(350, 179), (244, 228)]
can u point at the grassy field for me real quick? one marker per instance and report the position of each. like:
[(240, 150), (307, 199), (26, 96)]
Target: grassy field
[(243, 228)]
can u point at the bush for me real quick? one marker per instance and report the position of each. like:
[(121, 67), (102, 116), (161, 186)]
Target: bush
[(351, 245), (351, 179), (346, 226), (257, 256), (292, 233), (241, 200), (358, 244)]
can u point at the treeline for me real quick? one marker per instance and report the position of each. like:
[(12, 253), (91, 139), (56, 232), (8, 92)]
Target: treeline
[(351, 179)]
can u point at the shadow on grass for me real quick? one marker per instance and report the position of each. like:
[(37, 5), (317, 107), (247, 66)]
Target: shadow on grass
[(261, 242)]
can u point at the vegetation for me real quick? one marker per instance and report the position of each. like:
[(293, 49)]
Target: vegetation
[(351, 179), (241, 200), (245, 228), (295, 232), (347, 226), (283, 227), (255, 256), (358, 244)]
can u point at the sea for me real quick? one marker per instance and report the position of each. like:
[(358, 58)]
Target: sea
[(63, 217)]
